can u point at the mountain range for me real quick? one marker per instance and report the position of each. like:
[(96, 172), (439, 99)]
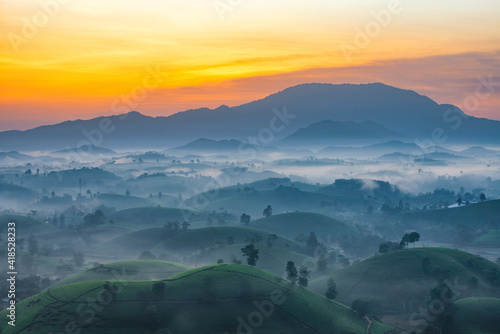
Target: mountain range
[(372, 111)]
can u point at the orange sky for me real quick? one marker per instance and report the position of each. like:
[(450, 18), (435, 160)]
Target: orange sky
[(68, 59)]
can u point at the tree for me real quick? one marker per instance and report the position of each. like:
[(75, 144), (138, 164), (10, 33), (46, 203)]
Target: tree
[(220, 261), (459, 201), (409, 238), (32, 245), (413, 237), (94, 219), (251, 253), (291, 272), (363, 306), (304, 274), (268, 212), (78, 258), (127, 193), (388, 247), (245, 219), (312, 242), (331, 289), (482, 197)]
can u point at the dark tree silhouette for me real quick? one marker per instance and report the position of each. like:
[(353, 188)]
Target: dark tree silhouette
[(251, 253), (245, 219), (331, 289), (291, 272), (268, 212), (304, 274)]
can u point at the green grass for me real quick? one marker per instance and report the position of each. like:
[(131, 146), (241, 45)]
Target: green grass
[(196, 239), (26, 225), (292, 224), (490, 239), (142, 217), (134, 270), (477, 316), (479, 214), (271, 259), (204, 300), (282, 199), (398, 279), (159, 241)]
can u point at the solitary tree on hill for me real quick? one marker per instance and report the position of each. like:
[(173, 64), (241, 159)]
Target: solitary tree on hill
[(331, 289), (268, 212), (245, 219), (251, 253), (304, 274), (291, 272)]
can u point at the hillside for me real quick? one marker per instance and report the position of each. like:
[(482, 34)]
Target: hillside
[(206, 300), (477, 315), (143, 217), (477, 215), (162, 241), (271, 259), (135, 270), (294, 223), (401, 280), (282, 199), (328, 131)]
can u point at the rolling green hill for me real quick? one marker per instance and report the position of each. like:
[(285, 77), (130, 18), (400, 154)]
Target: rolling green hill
[(271, 259), (214, 299), (282, 199), (478, 214), (135, 270), (400, 280), (477, 316), (292, 224), (26, 225), (195, 239), (142, 217), (160, 241), (490, 239)]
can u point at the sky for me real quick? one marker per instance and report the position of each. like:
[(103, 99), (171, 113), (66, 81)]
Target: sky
[(79, 59)]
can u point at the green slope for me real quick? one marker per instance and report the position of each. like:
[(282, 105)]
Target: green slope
[(272, 259), (159, 240), (212, 299), (490, 239), (134, 270), (478, 214), (292, 224), (398, 279), (142, 217), (477, 316)]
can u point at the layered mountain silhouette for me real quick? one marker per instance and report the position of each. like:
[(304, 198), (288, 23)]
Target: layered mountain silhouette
[(282, 114), (328, 132)]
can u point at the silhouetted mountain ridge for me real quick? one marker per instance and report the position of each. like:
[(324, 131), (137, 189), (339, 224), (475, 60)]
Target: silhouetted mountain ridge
[(283, 113)]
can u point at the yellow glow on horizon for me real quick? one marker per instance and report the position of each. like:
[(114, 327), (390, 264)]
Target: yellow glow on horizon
[(101, 49)]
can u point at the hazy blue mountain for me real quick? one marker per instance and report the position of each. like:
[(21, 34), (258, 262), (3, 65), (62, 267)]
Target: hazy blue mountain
[(15, 156), (277, 116), (375, 150), (479, 151), (87, 149), (329, 131)]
